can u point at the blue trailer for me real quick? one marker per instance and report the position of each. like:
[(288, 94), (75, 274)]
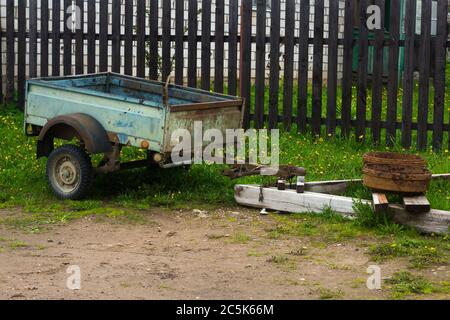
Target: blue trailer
[(107, 111)]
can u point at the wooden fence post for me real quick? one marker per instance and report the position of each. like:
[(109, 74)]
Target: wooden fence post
[(245, 61)]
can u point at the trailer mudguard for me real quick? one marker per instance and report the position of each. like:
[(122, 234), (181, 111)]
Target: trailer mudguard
[(81, 126)]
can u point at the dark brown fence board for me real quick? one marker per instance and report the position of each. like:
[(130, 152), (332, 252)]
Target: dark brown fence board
[(346, 108), (424, 71), (103, 44), (206, 46), (115, 45), (377, 82), (32, 45), (439, 80), (408, 76), (219, 46), (260, 63), (128, 44), (79, 40), (392, 89), (44, 38), (179, 43), (140, 43), (232, 47), (153, 40), (56, 28), (332, 67), (192, 43), (245, 51), (317, 66), (302, 103), (2, 101), (289, 64), (274, 81), (166, 44), (67, 39), (10, 54), (361, 105), (91, 44), (21, 53)]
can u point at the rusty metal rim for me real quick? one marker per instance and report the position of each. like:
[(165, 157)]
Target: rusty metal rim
[(399, 176), (387, 158)]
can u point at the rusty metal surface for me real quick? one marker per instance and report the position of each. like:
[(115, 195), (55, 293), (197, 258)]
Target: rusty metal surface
[(83, 127), (284, 172), (395, 172)]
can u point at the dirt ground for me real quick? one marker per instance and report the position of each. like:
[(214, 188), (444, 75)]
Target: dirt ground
[(224, 254)]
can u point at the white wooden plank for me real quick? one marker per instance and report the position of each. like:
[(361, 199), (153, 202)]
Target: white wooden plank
[(435, 221), (291, 201)]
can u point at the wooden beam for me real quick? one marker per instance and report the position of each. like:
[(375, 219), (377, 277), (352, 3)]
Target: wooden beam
[(337, 187), (380, 202), (291, 201), (435, 221), (417, 204)]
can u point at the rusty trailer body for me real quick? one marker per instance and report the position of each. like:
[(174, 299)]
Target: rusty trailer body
[(107, 111)]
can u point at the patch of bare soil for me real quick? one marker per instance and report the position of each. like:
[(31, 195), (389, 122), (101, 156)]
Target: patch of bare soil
[(182, 255)]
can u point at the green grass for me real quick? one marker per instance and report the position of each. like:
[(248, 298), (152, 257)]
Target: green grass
[(403, 284)]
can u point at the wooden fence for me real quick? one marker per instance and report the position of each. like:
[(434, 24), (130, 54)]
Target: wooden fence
[(146, 34)]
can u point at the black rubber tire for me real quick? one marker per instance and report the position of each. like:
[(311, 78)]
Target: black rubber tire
[(83, 167)]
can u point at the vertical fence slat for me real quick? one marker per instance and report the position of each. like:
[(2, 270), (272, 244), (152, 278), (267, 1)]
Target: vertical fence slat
[(103, 43), (439, 80), (32, 44), (408, 77), (166, 44), (79, 41), (289, 64), (424, 70), (116, 54), (91, 45), (153, 46), (179, 42), (303, 71), (67, 38), (128, 43), (347, 69), (192, 43), (206, 46), (232, 48), (260, 62), (140, 43), (391, 117), (332, 66), (377, 82), (10, 55), (361, 106), (44, 38), (21, 53), (317, 66), (56, 28), (1, 67), (219, 49), (274, 64), (245, 60)]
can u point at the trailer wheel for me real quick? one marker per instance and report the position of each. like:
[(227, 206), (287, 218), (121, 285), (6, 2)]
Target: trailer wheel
[(69, 172)]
